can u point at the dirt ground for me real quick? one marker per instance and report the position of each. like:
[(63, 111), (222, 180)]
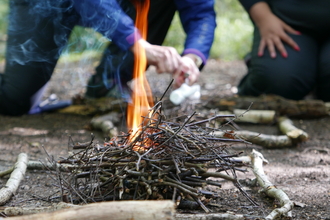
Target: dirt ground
[(302, 171)]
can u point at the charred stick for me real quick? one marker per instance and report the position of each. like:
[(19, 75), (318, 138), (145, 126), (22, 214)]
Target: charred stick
[(178, 130), (184, 138), (202, 205), (136, 173), (180, 184), (193, 183), (211, 119), (220, 175), (183, 189)]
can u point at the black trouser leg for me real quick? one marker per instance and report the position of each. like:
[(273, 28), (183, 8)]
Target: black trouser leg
[(35, 39), (116, 66), (292, 77), (323, 77)]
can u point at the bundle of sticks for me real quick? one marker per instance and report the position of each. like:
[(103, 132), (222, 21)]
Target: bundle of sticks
[(162, 160)]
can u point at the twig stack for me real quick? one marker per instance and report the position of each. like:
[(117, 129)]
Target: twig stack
[(162, 160)]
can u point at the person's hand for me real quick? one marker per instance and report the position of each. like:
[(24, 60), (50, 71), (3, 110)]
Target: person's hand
[(186, 71), (273, 31), (165, 59)]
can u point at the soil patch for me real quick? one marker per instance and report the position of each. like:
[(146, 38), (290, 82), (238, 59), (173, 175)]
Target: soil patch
[(301, 171)]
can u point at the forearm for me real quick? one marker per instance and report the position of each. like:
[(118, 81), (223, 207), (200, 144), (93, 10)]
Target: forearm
[(247, 4), (259, 12), (198, 21)]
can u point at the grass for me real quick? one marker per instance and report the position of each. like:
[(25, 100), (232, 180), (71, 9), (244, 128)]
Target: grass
[(233, 35)]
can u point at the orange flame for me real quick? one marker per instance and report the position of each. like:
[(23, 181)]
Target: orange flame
[(141, 95)]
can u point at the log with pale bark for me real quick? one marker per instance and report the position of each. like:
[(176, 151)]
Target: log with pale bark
[(16, 211), (119, 210), (291, 135), (287, 127), (264, 140), (255, 116), (269, 188), (15, 178)]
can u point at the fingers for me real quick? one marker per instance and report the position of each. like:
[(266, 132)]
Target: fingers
[(187, 72), (167, 61), (274, 41), (288, 39)]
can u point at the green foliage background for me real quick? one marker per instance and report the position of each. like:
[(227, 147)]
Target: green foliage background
[(232, 41)]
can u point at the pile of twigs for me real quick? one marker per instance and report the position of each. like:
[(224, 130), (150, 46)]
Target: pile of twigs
[(162, 160)]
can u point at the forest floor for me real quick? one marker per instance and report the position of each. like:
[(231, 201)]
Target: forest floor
[(302, 172)]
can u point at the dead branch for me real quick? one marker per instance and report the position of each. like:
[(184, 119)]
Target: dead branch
[(270, 189), (106, 123), (265, 140), (15, 178), (210, 216), (255, 116), (15, 211), (122, 210), (286, 127)]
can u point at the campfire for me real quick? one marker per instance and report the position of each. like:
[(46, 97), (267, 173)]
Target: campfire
[(164, 160), (156, 159)]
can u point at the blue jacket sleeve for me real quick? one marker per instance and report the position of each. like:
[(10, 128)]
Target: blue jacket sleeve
[(247, 4), (107, 17), (198, 21)]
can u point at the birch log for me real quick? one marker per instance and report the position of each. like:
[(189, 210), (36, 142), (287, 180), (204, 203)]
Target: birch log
[(264, 140), (286, 127), (255, 116), (270, 189), (15, 178), (119, 210)]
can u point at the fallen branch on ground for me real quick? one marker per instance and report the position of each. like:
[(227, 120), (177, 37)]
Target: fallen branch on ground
[(15, 211), (270, 189), (255, 116), (138, 210), (264, 140), (106, 123), (210, 216), (15, 178), (286, 127)]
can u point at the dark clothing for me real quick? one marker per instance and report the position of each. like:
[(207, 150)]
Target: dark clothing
[(38, 30), (301, 72)]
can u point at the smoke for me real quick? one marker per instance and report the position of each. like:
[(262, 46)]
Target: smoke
[(43, 31)]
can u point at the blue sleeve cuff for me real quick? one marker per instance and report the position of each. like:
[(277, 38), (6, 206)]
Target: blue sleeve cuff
[(196, 52)]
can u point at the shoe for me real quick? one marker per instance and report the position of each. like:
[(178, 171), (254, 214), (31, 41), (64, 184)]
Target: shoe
[(52, 103)]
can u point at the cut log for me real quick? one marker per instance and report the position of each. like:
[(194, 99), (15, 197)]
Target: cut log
[(122, 210)]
